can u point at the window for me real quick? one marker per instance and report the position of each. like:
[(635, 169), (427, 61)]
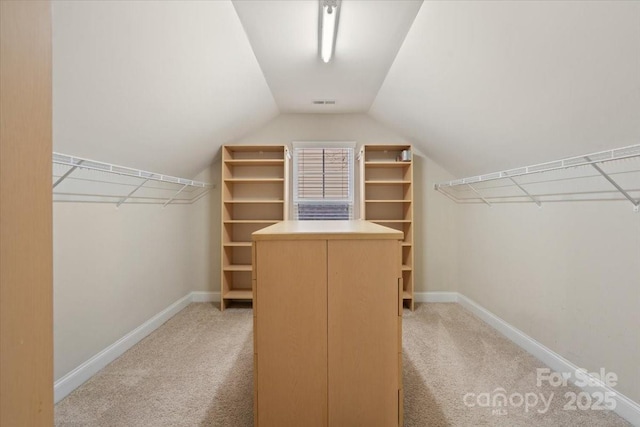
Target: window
[(323, 183)]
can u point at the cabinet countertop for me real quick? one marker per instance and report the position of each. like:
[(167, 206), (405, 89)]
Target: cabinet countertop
[(321, 230)]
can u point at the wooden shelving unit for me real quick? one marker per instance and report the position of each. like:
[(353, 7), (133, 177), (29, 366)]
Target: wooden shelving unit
[(387, 199), (254, 196)]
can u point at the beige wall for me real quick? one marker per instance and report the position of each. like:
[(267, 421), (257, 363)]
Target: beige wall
[(434, 215), (435, 231), (205, 233), (566, 275), (116, 268)]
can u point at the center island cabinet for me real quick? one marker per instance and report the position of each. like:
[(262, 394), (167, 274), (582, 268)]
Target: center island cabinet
[(327, 306)]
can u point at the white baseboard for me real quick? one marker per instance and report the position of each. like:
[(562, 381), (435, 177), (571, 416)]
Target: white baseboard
[(625, 407), (82, 373), (198, 296), (435, 296)]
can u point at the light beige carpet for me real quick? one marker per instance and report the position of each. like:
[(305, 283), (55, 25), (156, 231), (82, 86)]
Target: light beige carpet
[(196, 370)]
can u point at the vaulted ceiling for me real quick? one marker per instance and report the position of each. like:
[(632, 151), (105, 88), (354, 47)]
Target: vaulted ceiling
[(477, 86), (284, 37)]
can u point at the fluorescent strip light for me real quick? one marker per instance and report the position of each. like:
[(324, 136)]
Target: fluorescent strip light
[(328, 32), (328, 27)]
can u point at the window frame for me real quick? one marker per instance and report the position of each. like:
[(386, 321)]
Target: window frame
[(352, 175)]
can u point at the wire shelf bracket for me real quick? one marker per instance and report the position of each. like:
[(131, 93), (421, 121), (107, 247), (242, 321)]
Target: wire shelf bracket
[(568, 179), (66, 174), (479, 195), (533, 199), (124, 199), (174, 196), (634, 202)]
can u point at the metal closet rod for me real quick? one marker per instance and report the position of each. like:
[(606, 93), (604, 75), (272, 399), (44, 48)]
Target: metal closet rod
[(593, 159)]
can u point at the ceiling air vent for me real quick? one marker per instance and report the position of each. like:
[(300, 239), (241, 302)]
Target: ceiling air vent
[(324, 102)]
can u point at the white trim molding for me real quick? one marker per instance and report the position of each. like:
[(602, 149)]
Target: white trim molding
[(198, 296), (625, 407), (436, 296), (86, 370)]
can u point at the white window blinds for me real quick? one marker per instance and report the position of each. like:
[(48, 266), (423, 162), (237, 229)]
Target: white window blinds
[(323, 183)]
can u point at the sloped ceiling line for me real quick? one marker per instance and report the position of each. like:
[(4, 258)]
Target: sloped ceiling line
[(478, 86)]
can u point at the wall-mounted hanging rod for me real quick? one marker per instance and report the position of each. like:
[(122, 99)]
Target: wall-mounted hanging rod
[(559, 180), (89, 181), (65, 159), (602, 156)]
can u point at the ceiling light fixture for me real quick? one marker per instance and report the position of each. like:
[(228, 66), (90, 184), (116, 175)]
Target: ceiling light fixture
[(329, 14)]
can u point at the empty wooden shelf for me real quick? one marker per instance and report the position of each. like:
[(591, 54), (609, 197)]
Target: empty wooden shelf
[(254, 182), (387, 199)]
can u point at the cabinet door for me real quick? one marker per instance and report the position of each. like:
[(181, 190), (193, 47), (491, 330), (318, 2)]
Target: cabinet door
[(291, 344), (363, 332)]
